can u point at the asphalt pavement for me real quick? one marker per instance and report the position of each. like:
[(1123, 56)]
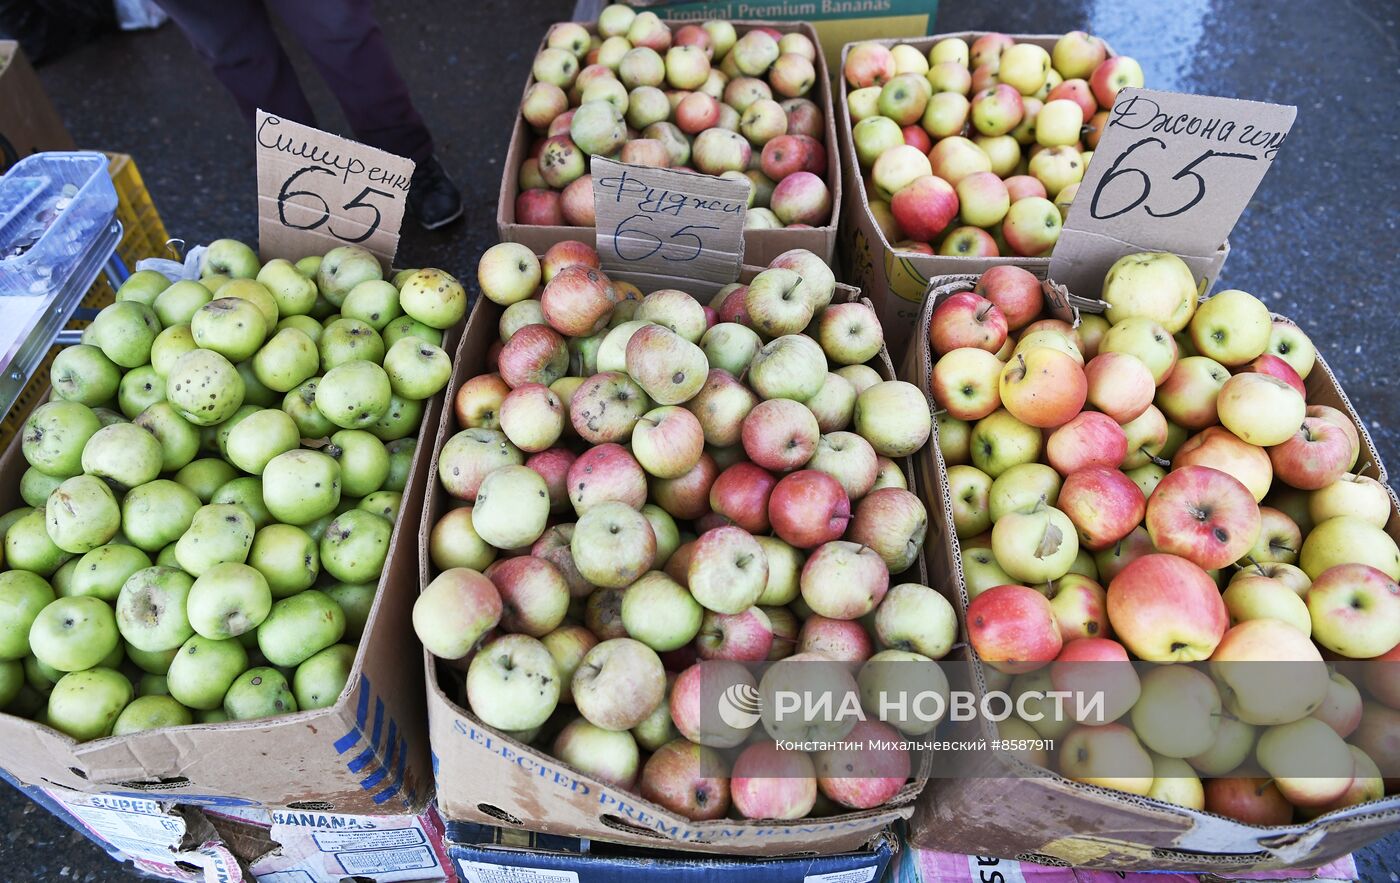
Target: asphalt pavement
[(1318, 243)]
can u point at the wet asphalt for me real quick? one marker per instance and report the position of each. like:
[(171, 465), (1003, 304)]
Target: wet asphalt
[(1318, 243)]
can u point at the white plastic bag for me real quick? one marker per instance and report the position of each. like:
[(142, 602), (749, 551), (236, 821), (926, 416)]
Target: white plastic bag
[(175, 271), (136, 15)]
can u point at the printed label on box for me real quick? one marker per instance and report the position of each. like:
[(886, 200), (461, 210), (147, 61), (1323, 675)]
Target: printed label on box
[(983, 867), (661, 222), (1171, 172), (317, 191), (392, 839), (481, 872), (853, 875), (387, 861)]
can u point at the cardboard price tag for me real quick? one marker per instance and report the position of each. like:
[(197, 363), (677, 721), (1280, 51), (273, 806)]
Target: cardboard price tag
[(1172, 172), (317, 191), (661, 222)]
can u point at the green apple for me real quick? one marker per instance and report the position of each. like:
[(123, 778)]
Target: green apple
[(55, 435), (157, 513), (401, 453), (434, 298), (151, 712), (1178, 711), (28, 546), (374, 302), (259, 692), (40, 676), (124, 331), (11, 681), (1348, 540), (1023, 486), (344, 267), (301, 486), (82, 514), (299, 627), (228, 600), (125, 454), (402, 418), (287, 558), (170, 345), (364, 461), (262, 436), (407, 326), (306, 325), (1156, 286), (177, 437), (35, 487), (229, 257), (416, 368), (205, 387), (294, 293), (218, 533), (230, 326), (300, 405), (309, 265), (512, 507), (349, 340), (385, 504), (355, 545), (287, 360), (1234, 741), (22, 596), (203, 669), (86, 704), (354, 395), (319, 681), (660, 612), (102, 572), (355, 600), (83, 374), (255, 293), (152, 610), (177, 304), (205, 476), (1035, 547), (72, 634), (139, 389), (999, 441), (143, 286)]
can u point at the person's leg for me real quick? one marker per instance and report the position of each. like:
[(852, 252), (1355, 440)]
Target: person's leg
[(345, 42), (236, 39)]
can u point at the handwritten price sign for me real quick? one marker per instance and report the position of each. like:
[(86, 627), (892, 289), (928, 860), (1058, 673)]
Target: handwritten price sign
[(660, 222), (317, 191), (1172, 172)]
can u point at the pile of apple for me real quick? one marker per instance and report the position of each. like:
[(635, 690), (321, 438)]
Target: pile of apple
[(211, 491), (1152, 485), (703, 98), (989, 175), (652, 489)]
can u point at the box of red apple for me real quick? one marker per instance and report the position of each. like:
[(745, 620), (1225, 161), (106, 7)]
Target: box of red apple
[(964, 151), (748, 100), (1171, 503), (640, 495)]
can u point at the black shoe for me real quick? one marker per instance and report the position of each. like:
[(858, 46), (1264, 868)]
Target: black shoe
[(433, 199)]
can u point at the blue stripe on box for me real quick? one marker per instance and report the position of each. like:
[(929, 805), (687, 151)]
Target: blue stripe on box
[(361, 761), (378, 722)]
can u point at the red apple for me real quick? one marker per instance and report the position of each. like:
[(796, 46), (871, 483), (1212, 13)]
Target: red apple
[(1275, 366), (1219, 448), (967, 319), (1254, 801), (539, 208), (780, 434), (861, 773), (742, 637), (1166, 609), (1080, 606), (1120, 385), (740, 494), (1318, 454), (534, 354), (1043, 387), (1013, 290), (1203, 515), (808, 508), (924, 207), (1013, 629), (603, 473), (841, 640), (1090, 439), (687, 497), (687, 779), (1104, 504)]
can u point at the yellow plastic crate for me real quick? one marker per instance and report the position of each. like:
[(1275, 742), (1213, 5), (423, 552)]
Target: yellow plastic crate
[(143, 236)]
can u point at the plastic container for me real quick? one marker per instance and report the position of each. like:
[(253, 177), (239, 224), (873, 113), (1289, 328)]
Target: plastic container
[(53, 208)]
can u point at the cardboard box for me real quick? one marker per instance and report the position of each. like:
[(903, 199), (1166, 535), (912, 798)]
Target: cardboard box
[(896, 280), (760, 246), (997, 810), (487, 777), (837, 23), (366, 754), (483, 854), (28, 121)]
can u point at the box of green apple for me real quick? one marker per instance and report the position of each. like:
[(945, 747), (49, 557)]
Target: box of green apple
[(206, 580)]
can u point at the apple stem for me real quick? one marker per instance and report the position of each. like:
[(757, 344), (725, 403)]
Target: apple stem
[(1040, 504), (1165, 464)]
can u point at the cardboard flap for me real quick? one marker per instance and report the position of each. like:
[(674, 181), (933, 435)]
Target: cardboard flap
[(317, 191), (663, 224), (1172, 172)]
